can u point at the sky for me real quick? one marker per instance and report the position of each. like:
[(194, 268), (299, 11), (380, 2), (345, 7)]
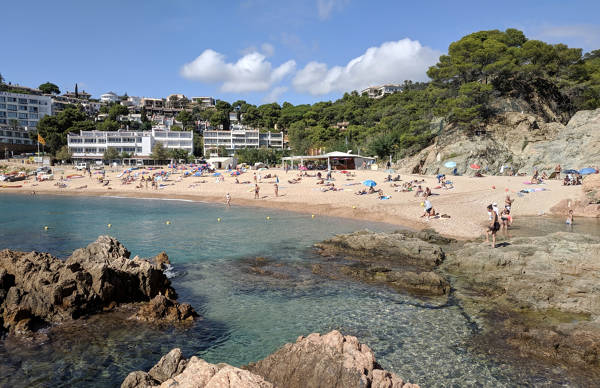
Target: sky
[(260, 51)]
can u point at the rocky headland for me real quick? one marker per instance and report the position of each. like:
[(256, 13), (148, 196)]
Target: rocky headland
[(38, 289), (320, 361)]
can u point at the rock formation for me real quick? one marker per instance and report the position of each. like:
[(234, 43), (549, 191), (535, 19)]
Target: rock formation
[(518, 139), (541, 292), (37, 289), (331, 361), (403, 260), (587, 205)]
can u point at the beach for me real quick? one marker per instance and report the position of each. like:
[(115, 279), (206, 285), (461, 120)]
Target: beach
[(465, 204)]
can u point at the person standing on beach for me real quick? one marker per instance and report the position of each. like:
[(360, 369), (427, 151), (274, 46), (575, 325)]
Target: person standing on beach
[(276, 187), (256, 191), (228, 200), (254, 178), (493, 227)]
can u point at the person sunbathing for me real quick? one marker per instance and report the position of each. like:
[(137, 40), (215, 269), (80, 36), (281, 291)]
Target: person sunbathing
[(419, 191), (361, 192), (371, 190)]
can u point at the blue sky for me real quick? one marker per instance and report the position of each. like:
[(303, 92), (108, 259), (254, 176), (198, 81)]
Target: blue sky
[(259, 50)]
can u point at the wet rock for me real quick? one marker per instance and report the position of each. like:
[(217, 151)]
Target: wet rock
[(162, 309), (39, 289), (161, 261), (426, 283), (331, 361), (400, 248), (546, 288)]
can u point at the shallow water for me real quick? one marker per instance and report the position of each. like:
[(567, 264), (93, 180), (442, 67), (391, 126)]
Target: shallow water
[(245, 316)]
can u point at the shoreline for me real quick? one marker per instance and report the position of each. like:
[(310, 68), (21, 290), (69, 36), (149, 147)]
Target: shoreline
[(464, 205)]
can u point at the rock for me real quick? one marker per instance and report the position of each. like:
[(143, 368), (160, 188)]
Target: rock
[(138, 379), (162, 309), (540, 292), (331, 360), (168, 366), (427, 283), (400, 248), (38, 289), (161, 261), (514, 138)]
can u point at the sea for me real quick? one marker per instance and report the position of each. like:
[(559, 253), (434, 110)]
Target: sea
[(245, 316)]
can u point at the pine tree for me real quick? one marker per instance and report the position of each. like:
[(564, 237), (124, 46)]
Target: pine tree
[(76, 91)]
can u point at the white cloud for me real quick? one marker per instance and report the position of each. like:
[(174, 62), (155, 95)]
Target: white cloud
[(579, 35), (251, 73), (392, 62), (273, 95), (326, 7)]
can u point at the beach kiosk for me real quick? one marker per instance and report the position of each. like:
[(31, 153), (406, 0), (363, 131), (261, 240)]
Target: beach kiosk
[(333, 160)]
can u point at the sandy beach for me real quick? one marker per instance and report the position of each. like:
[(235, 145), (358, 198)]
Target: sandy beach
[(465, 203)]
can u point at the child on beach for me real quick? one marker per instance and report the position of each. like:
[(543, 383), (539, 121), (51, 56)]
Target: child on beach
[(228, 199), (429, 210), (569, 220), (276, 187)]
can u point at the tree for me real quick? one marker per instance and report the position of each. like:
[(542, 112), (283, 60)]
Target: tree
[(1, 79), (198, 145), (76, 91), (179, 154), (110, 154), (125, 155), (64, 154), (159, 152), (186, 118), (49, 88), (117, 110)]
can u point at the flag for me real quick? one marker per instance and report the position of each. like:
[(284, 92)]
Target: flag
[(41, 139)]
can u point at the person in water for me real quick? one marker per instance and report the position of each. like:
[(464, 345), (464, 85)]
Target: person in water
[(493, 227), (569, 220), (228, 200)]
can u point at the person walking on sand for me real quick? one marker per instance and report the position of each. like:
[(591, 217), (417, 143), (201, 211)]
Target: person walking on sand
[(228, 200), (276, 187), (256, 191), (493, 227), (429, 210)]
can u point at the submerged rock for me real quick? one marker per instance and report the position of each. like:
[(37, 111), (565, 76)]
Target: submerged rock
[(403, 260), (331, 361), (162, 309), (541, 293), (37, 289)]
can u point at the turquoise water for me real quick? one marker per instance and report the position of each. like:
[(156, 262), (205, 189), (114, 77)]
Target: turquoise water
[(245, 316)]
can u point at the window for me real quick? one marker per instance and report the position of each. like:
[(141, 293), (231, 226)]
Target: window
[(22, 115), (12, 115), (11, 99), (11, 107), (2, 114), (33, 109), (22, 107), (22, 101), (23, 122), (2, 121), (2, 99), (2, 106), (33, 123), (33, 115), (33, 101)]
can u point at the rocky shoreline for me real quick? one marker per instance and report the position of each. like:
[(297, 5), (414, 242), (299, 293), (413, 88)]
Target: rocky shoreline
[(328, 361), (38, 290), (539, 294)]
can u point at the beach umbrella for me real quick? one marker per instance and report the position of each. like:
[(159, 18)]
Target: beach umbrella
[(587, 170), (216, 174), (369, 183), (475, 166), (570, 171), (450, 164)]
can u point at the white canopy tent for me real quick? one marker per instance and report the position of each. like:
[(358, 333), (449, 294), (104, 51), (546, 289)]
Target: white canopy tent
[(335, 160)]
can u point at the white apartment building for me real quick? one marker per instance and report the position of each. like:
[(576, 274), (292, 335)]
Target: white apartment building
[(27, 109), (204, 102), (241, 137), (109, 97), (92, 144), (382, 90)]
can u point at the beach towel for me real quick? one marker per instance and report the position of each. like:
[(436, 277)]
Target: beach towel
[(385, 197)]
